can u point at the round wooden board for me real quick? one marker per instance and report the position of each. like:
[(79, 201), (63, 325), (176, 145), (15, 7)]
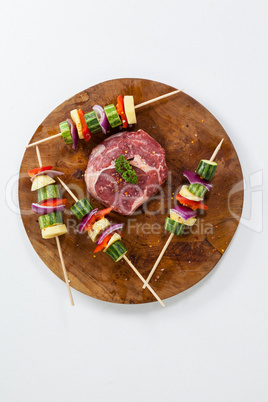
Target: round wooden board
[(188, 132)]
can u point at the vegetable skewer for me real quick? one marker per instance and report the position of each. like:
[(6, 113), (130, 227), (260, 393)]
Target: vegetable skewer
[(111, 115), (172, 234), (123, 256), (58, 244)]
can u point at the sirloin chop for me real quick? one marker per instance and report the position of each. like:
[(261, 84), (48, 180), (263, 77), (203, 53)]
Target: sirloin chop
[(147, 158)]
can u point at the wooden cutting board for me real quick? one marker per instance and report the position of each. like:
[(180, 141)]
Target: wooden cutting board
[(188, 132)]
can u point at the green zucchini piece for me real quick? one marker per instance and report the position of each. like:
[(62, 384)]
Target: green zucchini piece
[(81, 208), (117, 250), (112, 116), (92, 122), (174, 227), (65, 132), (206, 169), (48, 192), (197, 189), (54, 218)]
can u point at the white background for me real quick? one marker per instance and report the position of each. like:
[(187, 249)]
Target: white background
[(209, 343)]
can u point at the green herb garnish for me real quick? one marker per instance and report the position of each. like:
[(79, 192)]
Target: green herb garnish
[(123, 167)]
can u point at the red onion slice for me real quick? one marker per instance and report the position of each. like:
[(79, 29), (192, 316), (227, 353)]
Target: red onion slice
[(73, 131), (44, 209), (86, 219), (184, 212), (195, 178), (109, 230), (51, 173), (102, 118)]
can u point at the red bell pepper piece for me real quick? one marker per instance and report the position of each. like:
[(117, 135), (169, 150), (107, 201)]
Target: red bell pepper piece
[(191, 204), (96, 217), (101, 214), (34, 171), (85, 129), (90, 223), (54, 202), (121, 111), (103, 244)]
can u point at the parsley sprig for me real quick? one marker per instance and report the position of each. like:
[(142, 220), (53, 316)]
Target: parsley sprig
[(123, 167)]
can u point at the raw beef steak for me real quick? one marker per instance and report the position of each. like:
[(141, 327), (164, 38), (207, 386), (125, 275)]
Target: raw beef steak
[(148, 160)]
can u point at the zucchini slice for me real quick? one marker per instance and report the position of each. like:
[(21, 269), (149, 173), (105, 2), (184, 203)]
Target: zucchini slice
[(81, 208), (48, 192), (76, 119), (184, 192), (41, 181), (54, 218), (197, 189), (65, 132), (53, 231), (174, 227), (206, 169), (112, 116), (92, 122), (117, 250), (98, 227), (130, 109)]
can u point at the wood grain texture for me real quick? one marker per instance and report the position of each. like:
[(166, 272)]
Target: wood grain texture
[(188, 132)]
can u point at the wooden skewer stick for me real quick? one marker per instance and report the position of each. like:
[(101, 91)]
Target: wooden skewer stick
[(213, 156), (64, 270), (67, 189), (126, 259), (136, 107), (143, 280), (39, 157), (45, 139), (158, 260), (58, 245), (172, 234), (158, 98)]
